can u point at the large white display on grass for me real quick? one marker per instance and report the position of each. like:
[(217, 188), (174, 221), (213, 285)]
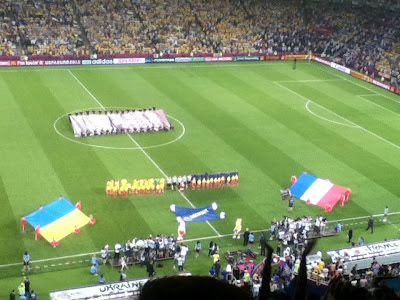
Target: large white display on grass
[(112, 122)]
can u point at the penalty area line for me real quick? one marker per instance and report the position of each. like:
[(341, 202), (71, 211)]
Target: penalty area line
[(355, 125), (140, 148)]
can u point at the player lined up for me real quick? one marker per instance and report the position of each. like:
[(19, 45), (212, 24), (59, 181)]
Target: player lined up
[(123, 188), (205, 181)]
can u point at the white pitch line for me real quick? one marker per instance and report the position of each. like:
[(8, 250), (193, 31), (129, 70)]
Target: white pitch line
[(355, 83), (310, 80), (389, 110), (165, 66), (140, 148), (325, 119), (191, 240), (85, 88), (360, 127)]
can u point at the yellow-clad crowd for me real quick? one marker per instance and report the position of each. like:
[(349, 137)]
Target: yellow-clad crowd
[(124, 188), (197, 27)]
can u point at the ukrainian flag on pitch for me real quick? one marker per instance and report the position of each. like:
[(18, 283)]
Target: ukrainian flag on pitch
[(57, 219)]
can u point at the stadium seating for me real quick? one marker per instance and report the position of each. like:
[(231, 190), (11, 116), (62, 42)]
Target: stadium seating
[(364, 39)]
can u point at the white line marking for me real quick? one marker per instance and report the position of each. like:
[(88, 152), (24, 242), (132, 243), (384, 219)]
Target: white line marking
[(166, 66), (355, 83), (360, 127), (191, 240), (140, 148), (389, 110), (325, 119), (84, 87), (363, 217), (367, 95), (310, 80)]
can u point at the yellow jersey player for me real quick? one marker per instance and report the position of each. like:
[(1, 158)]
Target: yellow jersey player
[(203, 183), (124, 188), (109, 187), (152, 186), (147, 186), (194, 183), (135, 186), (128, 189), (115, 188), (216, 181), (237, 229)]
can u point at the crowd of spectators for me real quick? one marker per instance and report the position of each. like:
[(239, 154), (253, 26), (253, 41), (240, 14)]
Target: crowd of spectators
[(362, 38), (37, 27)]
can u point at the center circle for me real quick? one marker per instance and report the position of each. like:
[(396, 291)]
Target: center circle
[(115, 147)]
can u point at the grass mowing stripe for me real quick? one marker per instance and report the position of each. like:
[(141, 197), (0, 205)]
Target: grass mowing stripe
[(350, 108), (10, 228), (365, 218), (225, 126), (327, 140), (143, 151), (80, 176), (364, 97), (165, 66), (334, 73), (366, 130)]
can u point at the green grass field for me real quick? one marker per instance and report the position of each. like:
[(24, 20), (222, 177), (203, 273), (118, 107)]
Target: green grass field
[(263, 119)]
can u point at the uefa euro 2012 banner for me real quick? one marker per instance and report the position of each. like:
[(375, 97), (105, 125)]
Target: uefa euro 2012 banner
[(199, 214), (124, 188)]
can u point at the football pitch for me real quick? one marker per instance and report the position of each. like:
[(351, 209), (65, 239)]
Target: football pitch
[(264, 119)]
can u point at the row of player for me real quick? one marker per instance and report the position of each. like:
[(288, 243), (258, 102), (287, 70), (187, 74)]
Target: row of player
[(205, 180), (214, 180), (137, 187), (157, 185)]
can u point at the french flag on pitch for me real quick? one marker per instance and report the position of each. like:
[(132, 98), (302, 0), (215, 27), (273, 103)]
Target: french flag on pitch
[(317, 191)]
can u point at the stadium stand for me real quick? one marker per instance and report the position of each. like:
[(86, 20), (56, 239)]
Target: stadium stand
[(364, 39)]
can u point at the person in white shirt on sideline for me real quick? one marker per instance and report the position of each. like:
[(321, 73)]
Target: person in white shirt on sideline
[(117, 250), (124, 264), (385, 213)]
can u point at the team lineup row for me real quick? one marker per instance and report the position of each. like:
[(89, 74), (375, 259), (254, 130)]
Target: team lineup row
[(157, 185)]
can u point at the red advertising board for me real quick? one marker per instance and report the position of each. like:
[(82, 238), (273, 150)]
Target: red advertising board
[(292, 57), (381, 84), (321, 60), (30, 63), (272, 57)]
